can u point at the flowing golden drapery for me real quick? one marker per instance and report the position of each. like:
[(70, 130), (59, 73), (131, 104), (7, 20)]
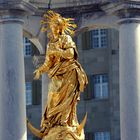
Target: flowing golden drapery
[(68, 79)]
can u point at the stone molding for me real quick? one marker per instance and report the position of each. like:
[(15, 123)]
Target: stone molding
[(129, 20), (66, 3), (17, 8), (11, 20), (127, 11)]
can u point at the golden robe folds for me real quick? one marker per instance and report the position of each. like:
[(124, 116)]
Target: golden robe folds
[(68, 79)]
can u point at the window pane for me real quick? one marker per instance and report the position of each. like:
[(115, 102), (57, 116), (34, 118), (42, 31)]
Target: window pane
[(97, 91), (103, 31), (96, 42), (105, 90), (103, 42), (27, 47), (96, 32), (105, 78), (101, 86), (28, 93), (96, 79), (102, 136), (99, 38), (27, 40)]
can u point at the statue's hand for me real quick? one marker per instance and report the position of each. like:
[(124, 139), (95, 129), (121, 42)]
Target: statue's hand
[(37, 74)]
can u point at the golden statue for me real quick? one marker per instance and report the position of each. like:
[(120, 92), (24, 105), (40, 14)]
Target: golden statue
[(68, 79)]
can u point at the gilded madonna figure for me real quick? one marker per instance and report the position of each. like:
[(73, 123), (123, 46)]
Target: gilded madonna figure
[(68, 80)]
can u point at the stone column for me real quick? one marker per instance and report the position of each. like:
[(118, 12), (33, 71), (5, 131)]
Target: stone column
[(130, 80), (129, 69), (12, 87), (128, 13), (12, 75)]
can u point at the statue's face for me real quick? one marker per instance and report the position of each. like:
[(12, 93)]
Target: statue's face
[(53, 32)]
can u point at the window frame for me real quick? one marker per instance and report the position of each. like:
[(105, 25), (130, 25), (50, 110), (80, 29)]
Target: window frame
[(27, 43), (99, 35), (101, 95), (102, 135)]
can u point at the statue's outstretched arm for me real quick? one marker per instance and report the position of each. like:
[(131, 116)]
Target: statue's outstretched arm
[(44, 68)]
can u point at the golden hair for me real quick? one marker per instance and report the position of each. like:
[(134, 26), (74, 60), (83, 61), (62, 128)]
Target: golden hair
[(53, 19)]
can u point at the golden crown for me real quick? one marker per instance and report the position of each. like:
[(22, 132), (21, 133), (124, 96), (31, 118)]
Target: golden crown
[(66, 25)]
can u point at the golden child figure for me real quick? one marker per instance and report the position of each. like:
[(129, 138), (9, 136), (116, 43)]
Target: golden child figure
[(68, 79)]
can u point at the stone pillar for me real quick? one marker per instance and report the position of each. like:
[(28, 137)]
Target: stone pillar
[(129, 69), (128, 13), (12, 75), (130, 80), (12, 87)]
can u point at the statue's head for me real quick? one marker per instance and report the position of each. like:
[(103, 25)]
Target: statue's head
[(54, 24)]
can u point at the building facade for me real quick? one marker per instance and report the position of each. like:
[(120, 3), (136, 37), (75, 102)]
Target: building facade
[(98, 54), (108, 43)]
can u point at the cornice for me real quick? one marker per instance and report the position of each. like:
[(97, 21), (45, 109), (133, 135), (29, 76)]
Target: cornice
[(17, 8), (123, 9), (75, 9)]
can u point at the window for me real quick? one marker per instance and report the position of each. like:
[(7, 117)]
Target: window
[(99, 38), (100, 86), (27, 47), (102, 136), (28, 93)]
